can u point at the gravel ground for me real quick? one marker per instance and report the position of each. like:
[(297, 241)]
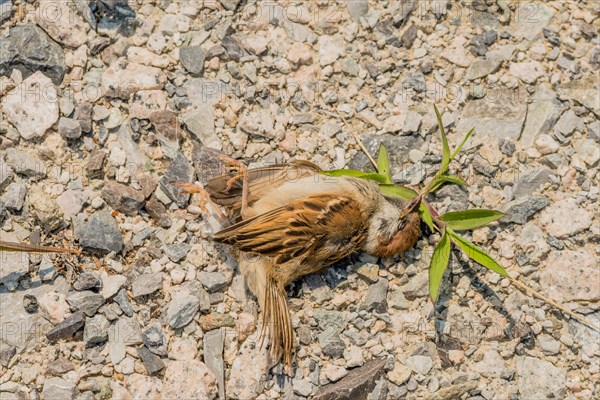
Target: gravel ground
[(105, 103)]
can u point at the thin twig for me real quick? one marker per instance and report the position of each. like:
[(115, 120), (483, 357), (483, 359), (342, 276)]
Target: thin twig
[(553, 303), (354, 135)]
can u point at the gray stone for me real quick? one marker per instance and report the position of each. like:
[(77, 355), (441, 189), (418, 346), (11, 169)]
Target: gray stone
[(331, 343), (583, 91), (111, 284), (96, 330), (568, 122), (200, 121), (531, 180), (86, 301), (146, 284), (58, 388), (180, 170), (542, 114), (192, 58), (420, 364), (122, 300), (155, 340), (212, 281), (7, 175), (25, 164), (520, 210), (213, 356), (330, 319), (357, 9), (539, 379), (177, 251), (302, 387), (548, 344), (86, 281), (7, 352), (499, 115), (122, 197), (100, 234), (527, 25), (358, 384), (181, 309), (151, 361), (13, 265), (14, 196), (481, 68), (593, 132), (67, 327), (29, 49), (376, 298), (589, 151), (69, 128), (417, 286), (6, 9)]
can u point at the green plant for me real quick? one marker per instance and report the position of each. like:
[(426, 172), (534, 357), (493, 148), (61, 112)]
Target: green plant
[(447, 224)]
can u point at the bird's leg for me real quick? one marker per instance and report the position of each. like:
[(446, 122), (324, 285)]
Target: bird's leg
[(191, 188), (241, 172)]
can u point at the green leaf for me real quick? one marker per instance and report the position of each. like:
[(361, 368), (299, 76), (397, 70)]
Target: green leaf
[(30, 248), (470, 219), (344, 172), (439, 262), (374, 176), (426, 216), (397, 191), (445, 147), (476, 253), (460, 146), (440, 180), (383, 163)]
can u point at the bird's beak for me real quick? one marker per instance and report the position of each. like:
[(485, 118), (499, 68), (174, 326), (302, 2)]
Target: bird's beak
[(410, 207)]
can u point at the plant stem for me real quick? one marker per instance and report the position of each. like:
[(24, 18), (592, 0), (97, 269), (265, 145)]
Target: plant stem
[(553, 303), (354, 135)]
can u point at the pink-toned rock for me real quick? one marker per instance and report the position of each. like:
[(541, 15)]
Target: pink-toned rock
[(300, 53), (144, 387), (53, 306), (146, 102), (32, 107), (189, 379), (565, 218), (571, 275), (121, 82), (244, 382), (545, 144), (183, 349), (528, 72), (245, 326)]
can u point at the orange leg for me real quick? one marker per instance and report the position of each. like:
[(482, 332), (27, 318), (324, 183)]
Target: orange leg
[(191, 188), (241, 172)]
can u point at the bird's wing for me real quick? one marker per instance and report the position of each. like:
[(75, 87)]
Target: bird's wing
[(261, 180), (321, 229)]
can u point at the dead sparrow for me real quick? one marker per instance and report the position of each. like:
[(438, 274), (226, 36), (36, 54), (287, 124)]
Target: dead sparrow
[(295, 222)]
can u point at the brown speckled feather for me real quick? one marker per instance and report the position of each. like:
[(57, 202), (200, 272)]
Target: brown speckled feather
[(303, 236), (261, 180)]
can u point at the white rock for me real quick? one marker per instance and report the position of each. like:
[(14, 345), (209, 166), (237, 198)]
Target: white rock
[(565, 218), (330, 48), (32, 107), (122, 82), (568, 276), (189, 380), (62, 23)]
